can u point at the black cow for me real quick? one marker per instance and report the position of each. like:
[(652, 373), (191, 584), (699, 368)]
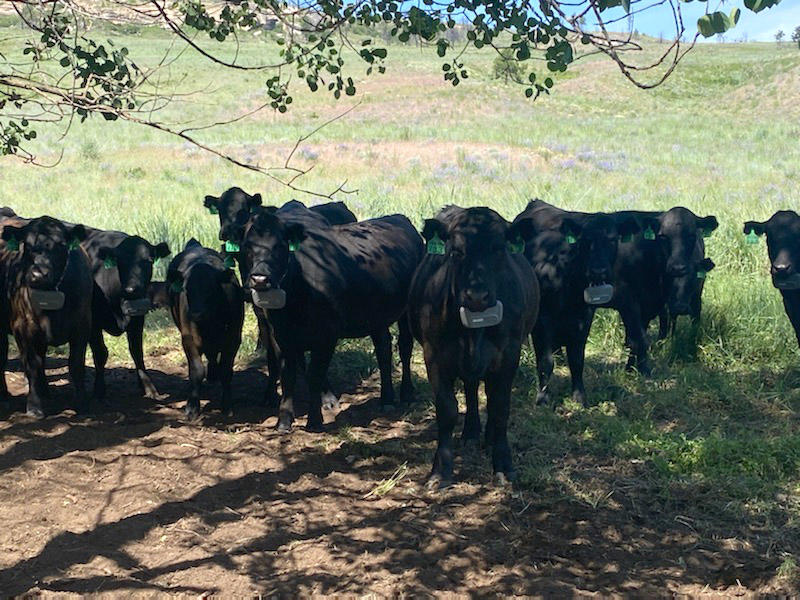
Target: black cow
[(48, 291), (320, 285), (122, 267), (235, 207), (783, 246), (573, 255), (661, 274), (207, 305), (472, 303)]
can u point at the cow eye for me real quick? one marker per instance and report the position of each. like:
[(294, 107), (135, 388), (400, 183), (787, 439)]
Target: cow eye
[(242, 216), (456, 254)]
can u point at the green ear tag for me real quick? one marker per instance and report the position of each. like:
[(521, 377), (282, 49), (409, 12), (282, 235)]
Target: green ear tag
[(109, 262), (649, 234), (751, 238), (12, 245), (231, 247), (628, 237), (230, 262), (707, 232), (571, 239), (293, 246), (176, 287), (73, 245), (435, 245), (701, 274), (213, 210), (517, 247)]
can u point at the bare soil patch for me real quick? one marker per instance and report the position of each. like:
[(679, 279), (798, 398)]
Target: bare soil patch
[(136, 500)]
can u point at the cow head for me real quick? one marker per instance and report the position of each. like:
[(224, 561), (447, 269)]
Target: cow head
[(594, 241), (266, 247), (476, 243), (44, 244), (679, 234), (133, 258), (783, 245), (234, 208)]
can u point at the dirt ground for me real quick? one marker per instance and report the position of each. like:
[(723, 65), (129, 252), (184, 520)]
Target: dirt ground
[(137, 501)]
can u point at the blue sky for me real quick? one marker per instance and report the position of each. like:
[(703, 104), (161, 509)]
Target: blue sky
[(758, 27)]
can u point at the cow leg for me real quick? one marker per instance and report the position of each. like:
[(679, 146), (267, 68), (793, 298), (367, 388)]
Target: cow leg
[(576, 354), (471, 434), (638, 342), (100, 356), (543, 346), (267, 337), (406, 346), (4, 398), (197, 373), (446, 417), (263, 331), (33, 355), (383, 352), (498, 398), (663, 323), (77, 373), (317, 376), (289, 383), (134, 333)]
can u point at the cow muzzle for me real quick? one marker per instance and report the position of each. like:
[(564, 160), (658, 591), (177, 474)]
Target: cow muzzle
[(479, 319)]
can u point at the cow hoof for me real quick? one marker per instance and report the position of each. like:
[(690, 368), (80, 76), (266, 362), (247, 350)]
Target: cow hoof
[(542, 398), (284, 426), (35, 412), (580, 399), (387, 407), (503, 479), (191, 413), (330, 401), (437, 482), (315, 427), (471, 445)]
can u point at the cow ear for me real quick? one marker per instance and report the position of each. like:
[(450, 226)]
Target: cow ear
[(571, 229), (105, 253), (212, 204), (14, 233), (521, 229), (434, 228), (759, 228), (630, 227), (160, 250), (706, 265), (253, 201), (174, 281), (77, 232), (707, 224), (295, 233)]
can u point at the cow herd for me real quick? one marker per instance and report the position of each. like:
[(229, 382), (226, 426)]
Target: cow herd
[(469, 289)]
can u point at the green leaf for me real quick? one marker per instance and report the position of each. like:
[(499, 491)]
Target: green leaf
[(713, 23), (626, 4), (734, 17)]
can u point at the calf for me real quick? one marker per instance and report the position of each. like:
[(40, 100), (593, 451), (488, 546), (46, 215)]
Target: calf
[(573, 257), (207, 305), (48, 287), (473, 300), (783, 246), (122, 267), (661, 274), (320, 285)]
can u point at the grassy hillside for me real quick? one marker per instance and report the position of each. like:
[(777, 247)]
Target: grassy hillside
[(717, 438)]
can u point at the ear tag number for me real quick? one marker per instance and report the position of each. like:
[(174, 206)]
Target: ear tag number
[(517, 247), (571, 239), (649, 234), (293, 246), (230, 262), (73, 245), (12, 245), (109, 262), (435, 245), (701, 274), (176, 287), (213, 209), (752, 237), (626, 237), (231, 247)]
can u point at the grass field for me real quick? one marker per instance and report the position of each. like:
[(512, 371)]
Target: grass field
[(714, 440)]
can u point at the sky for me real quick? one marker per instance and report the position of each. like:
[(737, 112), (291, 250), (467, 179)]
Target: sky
[(756, 26)]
